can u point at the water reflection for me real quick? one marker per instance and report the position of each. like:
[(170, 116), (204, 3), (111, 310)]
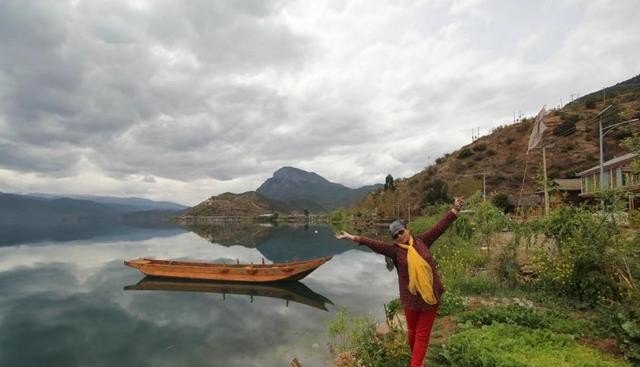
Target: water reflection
[(277, 243), (246, 234), (288, 291), (64, 302)]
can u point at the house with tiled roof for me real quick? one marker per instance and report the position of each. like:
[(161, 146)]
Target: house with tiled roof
[(618, 176)]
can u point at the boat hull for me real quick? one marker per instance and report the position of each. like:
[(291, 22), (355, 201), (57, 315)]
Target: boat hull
[(226, 272)]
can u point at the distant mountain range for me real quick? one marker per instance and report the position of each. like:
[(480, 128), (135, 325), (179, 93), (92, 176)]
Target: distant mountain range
[(124, 205), (289, 190), (49, 216)]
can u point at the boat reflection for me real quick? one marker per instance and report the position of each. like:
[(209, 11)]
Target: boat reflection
[(288, 290)]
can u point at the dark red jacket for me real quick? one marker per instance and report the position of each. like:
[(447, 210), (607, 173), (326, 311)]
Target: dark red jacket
[(422, 243)]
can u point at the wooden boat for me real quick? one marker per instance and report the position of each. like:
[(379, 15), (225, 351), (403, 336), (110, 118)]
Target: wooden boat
[(288, 290), (295, 270)]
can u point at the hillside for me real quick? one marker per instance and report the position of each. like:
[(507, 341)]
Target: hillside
[(572, 146), (228, 204)]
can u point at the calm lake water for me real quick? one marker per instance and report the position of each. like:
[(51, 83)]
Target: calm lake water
[(64, 303)]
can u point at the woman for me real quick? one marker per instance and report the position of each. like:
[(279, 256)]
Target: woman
[(419, 282)]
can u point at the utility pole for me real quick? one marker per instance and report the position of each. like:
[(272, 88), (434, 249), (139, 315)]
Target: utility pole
[(544, 171), (484, 186), (602, 182), (484, 182)]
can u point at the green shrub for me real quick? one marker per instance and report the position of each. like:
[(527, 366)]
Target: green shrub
[(629, 337), (435, 192), (465, 153), (456, 258), (506, 266), (356, 335), (480, 147), (564, 129), (392, 308), (501, 345), (452, 303), (556, 321), (487, 220), (477, 285), (580, 262), (501, 201)]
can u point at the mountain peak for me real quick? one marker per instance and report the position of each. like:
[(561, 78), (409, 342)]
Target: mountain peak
[(297, 175), (307, 190)]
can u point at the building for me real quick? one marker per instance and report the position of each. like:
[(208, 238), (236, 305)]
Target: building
[(617, 176), (562, 191)]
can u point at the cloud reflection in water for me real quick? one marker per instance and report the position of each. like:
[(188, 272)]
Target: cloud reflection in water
[(64, 304)]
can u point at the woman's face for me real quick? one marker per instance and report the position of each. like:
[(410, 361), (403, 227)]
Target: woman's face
[(402, 236)]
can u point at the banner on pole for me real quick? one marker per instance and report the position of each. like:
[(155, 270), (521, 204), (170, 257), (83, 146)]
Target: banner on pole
[(538, 129)]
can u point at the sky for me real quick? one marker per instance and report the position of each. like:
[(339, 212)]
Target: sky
[(182, 100)]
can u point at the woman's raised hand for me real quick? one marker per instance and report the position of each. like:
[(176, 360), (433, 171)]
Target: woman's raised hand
[(458, 203)]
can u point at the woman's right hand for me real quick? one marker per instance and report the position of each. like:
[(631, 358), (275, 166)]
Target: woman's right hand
[(458, 203), (341, 235)]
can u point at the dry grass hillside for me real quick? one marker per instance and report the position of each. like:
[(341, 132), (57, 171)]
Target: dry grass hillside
[(572, 146), (229, 204)]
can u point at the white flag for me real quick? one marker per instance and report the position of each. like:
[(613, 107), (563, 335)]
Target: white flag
[(538, 128)]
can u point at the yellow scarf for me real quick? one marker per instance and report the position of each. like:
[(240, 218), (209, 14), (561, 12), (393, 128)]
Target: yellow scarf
[(420, 274)]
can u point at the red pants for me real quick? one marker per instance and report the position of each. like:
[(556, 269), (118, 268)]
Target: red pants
[(419, 324)]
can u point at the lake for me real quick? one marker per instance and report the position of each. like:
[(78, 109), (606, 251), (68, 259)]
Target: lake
[(64, 302)]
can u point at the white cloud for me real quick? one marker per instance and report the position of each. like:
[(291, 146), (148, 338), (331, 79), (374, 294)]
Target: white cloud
[(180, 101)]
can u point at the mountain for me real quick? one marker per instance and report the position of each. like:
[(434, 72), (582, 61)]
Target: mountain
[(500, 157), (24, 209), (302, 190), (26, 218), (124, 205), (228, 204)]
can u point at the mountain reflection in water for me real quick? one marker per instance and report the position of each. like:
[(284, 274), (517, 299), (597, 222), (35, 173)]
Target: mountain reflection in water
[(277, 243), (289, 291)]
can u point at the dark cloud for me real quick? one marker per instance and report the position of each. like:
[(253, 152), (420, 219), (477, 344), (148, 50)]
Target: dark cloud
[(140, 90)]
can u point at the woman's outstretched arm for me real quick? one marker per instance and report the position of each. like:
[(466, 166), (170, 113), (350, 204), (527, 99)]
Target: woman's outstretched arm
[(377, 246)]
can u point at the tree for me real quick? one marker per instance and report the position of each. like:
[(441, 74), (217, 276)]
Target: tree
[(435, 193), (501, 201), (389, 183)]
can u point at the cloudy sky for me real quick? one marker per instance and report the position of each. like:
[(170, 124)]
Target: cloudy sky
[(181, 100)]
